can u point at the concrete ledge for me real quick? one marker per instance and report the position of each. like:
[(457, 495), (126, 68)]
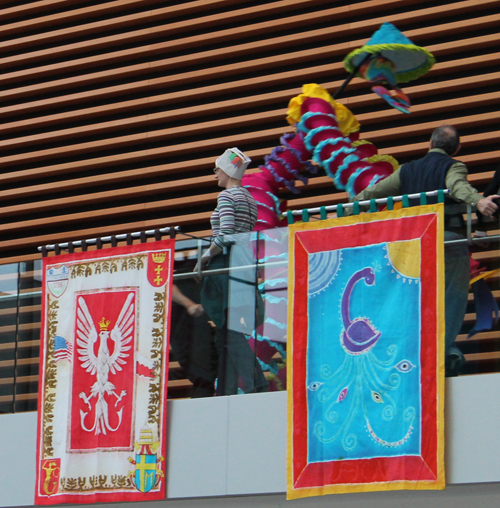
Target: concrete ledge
[(234, 446)]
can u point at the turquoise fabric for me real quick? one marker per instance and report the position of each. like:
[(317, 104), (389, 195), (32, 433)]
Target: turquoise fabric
[(364, 404)]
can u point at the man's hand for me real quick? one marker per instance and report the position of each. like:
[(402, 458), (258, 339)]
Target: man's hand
[(195, 309), (486, 205)]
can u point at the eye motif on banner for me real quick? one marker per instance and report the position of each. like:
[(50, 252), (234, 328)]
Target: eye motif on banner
[(104, 363)]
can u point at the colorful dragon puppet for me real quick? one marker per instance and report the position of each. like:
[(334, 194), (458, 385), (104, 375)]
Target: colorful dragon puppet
[(325, 133), (328, 133)]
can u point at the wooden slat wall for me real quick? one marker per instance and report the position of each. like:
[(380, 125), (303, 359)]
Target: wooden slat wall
[(112, 113)]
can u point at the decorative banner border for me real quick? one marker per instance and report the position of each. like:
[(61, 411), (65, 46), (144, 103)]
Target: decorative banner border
[(310, 473), (103, 375)]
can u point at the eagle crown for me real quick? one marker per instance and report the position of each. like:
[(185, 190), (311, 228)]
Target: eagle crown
[(103, 324)]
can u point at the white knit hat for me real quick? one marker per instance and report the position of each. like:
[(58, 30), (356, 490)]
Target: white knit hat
[(233, 162)]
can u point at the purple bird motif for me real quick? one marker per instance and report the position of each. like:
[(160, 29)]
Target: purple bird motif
[(359, 335)]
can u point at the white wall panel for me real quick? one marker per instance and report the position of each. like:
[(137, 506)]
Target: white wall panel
[(236, 446)]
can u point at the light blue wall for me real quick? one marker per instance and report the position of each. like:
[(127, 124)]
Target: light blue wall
[(236, 446)]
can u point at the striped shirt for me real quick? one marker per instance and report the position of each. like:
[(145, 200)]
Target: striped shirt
[(236, 212)]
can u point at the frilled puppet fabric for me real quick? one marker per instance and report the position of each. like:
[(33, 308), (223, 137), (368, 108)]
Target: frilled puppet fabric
[(366, 328), (103, 372)]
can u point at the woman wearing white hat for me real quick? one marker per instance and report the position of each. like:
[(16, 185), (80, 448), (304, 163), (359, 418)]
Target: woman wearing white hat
[(227, 299), (236, 210)]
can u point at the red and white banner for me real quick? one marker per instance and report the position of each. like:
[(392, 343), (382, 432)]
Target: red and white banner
[(103, 375)]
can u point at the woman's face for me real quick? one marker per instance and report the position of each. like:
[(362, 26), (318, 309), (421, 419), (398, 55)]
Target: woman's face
[(221, 177)]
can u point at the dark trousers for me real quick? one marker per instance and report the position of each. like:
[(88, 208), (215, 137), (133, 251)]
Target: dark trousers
[(237, 362), (457, 276)]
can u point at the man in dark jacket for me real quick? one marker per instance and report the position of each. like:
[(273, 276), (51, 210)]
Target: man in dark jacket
[(438, 170)]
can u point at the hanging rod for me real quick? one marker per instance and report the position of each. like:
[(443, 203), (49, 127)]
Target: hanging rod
[(113, 239), (378, 201)]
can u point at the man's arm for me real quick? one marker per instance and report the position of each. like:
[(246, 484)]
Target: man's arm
[(390, 186), (461, 190)]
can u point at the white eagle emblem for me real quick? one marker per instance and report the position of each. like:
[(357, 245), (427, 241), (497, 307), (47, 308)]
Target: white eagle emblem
[(104, 363)]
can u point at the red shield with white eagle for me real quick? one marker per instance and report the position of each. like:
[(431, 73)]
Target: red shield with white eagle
[(158, 268), (104, 370)]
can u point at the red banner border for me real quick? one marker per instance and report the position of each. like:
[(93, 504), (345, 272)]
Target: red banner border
[(375, 470)]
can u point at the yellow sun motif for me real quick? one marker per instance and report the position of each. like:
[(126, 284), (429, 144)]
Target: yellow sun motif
[(405, 257)]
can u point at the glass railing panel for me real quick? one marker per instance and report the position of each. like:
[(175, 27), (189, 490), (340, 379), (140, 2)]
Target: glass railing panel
[(250, 323), (193, 359), (9, 287), (271, 336), (20, 297), (232, 302), (28, 337), (236, 341), (228, 331)]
